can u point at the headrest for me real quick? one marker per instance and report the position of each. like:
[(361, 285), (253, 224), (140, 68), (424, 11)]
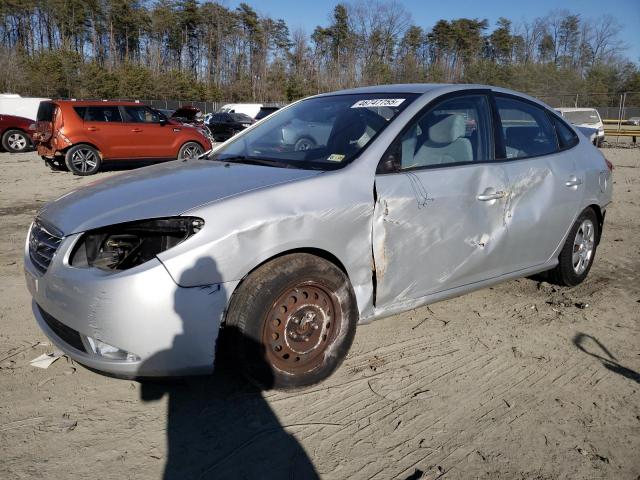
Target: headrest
[(448, 129)]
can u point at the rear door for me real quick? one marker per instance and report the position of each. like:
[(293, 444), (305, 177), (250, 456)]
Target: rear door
[(103, 128), (441, 197), (147, 137), (545, 183)]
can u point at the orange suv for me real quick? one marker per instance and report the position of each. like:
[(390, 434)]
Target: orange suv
[(83, 134)]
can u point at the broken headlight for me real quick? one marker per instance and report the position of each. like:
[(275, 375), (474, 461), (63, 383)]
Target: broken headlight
[(126, 245)]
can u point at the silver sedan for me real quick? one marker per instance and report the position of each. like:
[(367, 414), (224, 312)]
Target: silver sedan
[(418, 193)]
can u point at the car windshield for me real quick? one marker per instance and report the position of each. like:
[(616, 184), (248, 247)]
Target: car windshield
[(589, 117), (318, 133)]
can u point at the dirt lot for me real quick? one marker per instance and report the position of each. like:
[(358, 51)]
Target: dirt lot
[(520, 381)]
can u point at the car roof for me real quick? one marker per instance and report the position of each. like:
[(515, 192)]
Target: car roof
[(427, 88)]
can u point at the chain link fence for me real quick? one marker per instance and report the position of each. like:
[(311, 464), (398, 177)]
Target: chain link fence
[(619, 107)]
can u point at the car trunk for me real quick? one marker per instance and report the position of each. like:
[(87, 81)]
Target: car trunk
[(47, 116)]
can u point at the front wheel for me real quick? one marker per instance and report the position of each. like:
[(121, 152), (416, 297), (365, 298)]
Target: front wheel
[(83, 160), (190, 151), (292, 321), (15, 141), (578, 252)]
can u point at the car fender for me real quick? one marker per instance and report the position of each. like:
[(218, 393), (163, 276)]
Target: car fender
[(313, 213)]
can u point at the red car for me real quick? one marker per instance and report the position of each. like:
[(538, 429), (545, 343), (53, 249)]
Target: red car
[(16, 133)]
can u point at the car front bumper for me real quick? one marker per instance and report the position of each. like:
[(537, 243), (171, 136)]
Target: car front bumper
[(168, 329)]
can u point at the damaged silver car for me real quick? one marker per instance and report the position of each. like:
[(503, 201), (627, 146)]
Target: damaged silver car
[(418, 193)]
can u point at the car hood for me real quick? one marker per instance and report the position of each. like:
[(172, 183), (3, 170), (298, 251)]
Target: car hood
[(163, 190)]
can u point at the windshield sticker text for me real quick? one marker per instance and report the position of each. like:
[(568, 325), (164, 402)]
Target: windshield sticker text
[(378, 102)]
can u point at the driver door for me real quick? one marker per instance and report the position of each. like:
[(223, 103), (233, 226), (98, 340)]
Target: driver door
[(440, 203)]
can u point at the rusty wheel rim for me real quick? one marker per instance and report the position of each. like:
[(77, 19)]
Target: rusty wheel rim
[(301, 324)]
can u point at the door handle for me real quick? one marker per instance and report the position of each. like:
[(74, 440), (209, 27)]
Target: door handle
[(92, 129), (486, 197), (573, 181), (136, 130)]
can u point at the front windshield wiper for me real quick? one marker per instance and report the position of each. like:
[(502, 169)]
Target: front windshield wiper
[(254, 161)]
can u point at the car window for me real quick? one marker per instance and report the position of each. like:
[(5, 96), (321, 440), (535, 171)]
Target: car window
[(566, 137), (141, 115), (321, 132), (526, 128), (457, 130), (102, 114), (240, 117), (81, 111)]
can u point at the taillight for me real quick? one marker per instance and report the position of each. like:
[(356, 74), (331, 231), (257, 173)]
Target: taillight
[(609, 164)]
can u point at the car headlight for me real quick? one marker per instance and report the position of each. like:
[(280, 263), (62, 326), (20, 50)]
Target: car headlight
[(126, 245)]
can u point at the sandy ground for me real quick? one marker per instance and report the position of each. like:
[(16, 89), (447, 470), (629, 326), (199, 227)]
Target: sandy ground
[(520, 381)]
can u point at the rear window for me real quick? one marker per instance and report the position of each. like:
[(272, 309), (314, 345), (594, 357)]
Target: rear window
[(102, 113), (526, 128), (240, 117), (45, 111)]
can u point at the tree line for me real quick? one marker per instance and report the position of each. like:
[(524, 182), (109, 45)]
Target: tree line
[(190, 50)]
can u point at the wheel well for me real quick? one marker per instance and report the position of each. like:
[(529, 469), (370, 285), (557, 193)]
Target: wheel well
[(191, 141), (318, 252), (65, 150), (325, 255), (7, 130), (600, 216)]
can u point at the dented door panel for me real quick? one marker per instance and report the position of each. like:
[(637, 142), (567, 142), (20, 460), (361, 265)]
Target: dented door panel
[(432, 232), (541, 207)]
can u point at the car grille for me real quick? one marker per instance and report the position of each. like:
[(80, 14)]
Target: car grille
[(42, 245), (66, 334)]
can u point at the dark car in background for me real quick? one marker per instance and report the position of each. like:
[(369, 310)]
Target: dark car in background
[(15, 133), (225, 125), (265, 112)]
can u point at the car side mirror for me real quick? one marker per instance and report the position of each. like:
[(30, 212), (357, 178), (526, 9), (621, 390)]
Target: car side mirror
[(390, 161), (163, 122)]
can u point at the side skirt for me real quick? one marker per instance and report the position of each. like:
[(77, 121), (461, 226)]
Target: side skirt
[(400, 307)]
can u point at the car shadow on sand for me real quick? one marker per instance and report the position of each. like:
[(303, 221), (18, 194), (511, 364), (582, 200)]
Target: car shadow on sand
[(220, 426), (609, 361)]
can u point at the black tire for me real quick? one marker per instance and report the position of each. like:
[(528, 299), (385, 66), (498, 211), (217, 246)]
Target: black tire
[(83, 160), (296, 345), (304, 143), (16, 141), (567, 272), (190, 151)]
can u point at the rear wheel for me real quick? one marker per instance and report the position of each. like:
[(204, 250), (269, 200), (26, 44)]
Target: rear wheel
[(83, 160), (189, 151), (576, 257), (292, 321), (15, 141)]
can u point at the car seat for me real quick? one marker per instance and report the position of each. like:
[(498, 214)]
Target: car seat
[(445, 141)]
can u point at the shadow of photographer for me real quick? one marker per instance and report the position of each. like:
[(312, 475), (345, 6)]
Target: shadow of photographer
[(220, 426)]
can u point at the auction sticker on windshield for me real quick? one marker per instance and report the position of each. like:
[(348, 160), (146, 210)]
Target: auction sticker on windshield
[(378, 102)]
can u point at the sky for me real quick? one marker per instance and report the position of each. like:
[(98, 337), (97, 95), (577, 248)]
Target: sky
[(307, 14)]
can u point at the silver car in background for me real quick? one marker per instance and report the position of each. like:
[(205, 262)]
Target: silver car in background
[(418, 193)]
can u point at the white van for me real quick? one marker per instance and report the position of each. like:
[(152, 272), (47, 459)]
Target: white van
[(584, 117), (250, 109), (14, 104)]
